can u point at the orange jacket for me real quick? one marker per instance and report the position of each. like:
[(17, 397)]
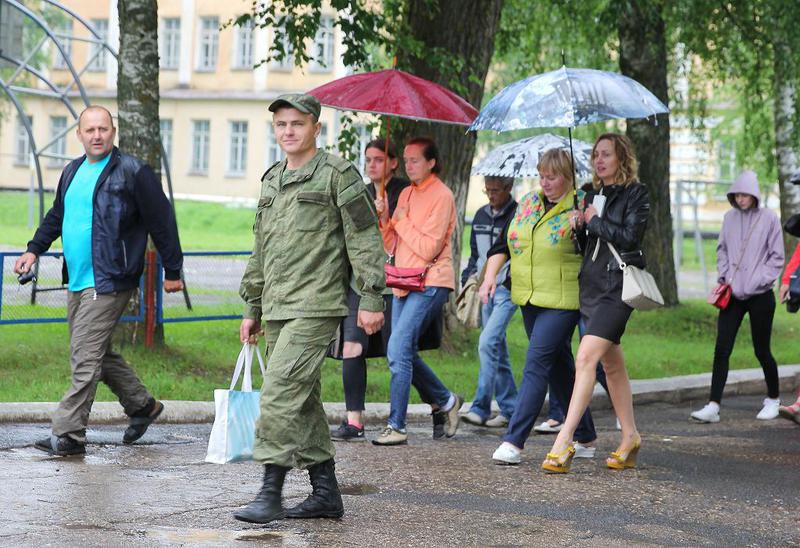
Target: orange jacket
[(422, 226)]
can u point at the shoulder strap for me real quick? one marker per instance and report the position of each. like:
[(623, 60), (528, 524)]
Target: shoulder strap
[(622, 265)]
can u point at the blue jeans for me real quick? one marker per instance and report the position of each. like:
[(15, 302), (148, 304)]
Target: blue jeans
[(557, 409), (549, 355), (410, 314), (495, 377)]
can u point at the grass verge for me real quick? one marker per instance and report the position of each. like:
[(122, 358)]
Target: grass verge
[(199, 356)]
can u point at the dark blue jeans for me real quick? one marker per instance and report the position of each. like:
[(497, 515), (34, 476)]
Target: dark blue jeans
[(558, 409), (549, 356), (409, 316)]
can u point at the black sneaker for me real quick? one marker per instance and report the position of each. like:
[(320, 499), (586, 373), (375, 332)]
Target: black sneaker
[(61, 446), (439, 420), (348, 432)]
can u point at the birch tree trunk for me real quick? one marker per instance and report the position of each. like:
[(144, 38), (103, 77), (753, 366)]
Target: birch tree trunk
[(785, 91), (137, 104)]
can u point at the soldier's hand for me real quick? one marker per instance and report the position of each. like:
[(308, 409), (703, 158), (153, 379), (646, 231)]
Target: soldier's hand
[(171, 286), (370, 322), (249, 331), (24, 263)]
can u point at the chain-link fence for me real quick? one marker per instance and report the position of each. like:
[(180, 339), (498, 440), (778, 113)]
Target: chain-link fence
[(212, 290)]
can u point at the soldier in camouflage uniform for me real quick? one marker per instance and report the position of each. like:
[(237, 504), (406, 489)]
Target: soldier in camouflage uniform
[(315, 224)]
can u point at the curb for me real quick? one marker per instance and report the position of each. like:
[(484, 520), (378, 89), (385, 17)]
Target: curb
[(671, 390)]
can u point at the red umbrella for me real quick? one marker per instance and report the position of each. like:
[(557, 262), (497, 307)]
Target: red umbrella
[(395, 93)]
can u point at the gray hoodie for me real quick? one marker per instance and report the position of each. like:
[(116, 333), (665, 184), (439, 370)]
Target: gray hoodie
[(762, 261)]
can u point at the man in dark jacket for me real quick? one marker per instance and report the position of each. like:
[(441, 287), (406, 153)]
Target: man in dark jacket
[(495, 378), (106, 204)]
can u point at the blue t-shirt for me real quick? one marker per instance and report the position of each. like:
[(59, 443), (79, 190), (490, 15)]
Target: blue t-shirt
[(76, 228)]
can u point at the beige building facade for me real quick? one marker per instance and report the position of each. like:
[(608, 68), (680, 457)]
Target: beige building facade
[(216, 128)]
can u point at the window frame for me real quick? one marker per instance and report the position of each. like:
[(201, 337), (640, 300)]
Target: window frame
[(171, 41), (208, 38), (237, 148), (204, 148)]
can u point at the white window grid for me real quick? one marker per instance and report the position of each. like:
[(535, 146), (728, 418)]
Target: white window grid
[(22, 149), (59, 147), (201, 136), (170, 38), (243, 46), (287, 63), (208, 44), (322, 54), (237, 152), (63, 34), (273, 152), (97, 51)]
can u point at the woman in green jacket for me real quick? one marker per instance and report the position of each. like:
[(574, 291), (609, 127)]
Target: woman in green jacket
[(544, 283)]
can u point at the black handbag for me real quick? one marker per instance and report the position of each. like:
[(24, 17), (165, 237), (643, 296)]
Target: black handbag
[(793, 302), (792, 225)]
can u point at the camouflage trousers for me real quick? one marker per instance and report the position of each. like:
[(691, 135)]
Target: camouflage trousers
[(292, 430)]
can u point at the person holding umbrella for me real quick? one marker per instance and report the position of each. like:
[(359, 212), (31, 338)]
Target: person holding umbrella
[(617, 215), (418, 235), (544, 283), (381, 164)]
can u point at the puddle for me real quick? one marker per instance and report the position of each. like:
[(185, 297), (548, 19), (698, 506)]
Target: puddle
[(359, 489), (222, 537)]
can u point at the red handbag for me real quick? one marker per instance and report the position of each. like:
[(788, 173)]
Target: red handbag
[(720, 296), (409, 279)]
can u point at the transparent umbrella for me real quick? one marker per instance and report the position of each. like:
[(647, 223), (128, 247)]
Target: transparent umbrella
[(521, 158)]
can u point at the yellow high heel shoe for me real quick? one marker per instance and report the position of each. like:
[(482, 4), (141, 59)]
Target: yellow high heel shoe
[(563, 461), (620, 461)]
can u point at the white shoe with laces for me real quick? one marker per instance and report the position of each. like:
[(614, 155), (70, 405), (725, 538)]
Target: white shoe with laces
[(709, 413), (507, 454), (584, 451), (770, 409)]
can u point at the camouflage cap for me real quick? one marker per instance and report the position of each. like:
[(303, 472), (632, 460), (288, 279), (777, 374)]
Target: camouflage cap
[(307, 104)]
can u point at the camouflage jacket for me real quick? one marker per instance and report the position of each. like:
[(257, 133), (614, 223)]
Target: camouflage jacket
[(313, 226)]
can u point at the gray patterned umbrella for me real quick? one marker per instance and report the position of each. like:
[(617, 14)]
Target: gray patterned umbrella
[(567, 97), (520, 158)]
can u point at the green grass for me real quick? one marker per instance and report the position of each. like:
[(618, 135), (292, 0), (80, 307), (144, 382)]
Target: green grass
[(199, 356)]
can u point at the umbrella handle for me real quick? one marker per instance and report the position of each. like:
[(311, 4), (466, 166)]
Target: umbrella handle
[(385, 160)]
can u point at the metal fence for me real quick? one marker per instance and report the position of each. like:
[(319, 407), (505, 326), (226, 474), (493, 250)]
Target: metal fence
[(212, 290)]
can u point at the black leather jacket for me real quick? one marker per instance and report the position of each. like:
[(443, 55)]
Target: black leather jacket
[(623, 223), (129, 204)]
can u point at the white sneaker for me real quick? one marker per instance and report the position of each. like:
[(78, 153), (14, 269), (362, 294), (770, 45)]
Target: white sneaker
[(584, 451), (500, 421), (473, 418), (546, 428), (507, 454), (770, 409), (709, 413)]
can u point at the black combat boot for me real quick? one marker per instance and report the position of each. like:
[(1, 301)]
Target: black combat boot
[(325, 501), (267, 506)]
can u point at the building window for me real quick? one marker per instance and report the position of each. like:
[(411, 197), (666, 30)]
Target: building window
[(22, 150), (287, 63), (209, 44), (64, 36), (274, 152), (322, 138), (166, 138), (322, 55), (201, 134), (58, 126), (170, 38), (243, 46), (237, 153), (98, 63)]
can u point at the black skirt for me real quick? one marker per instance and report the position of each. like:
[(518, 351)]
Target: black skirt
[(602, 310)]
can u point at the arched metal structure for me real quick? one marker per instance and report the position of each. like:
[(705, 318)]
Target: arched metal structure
[(60, 93)]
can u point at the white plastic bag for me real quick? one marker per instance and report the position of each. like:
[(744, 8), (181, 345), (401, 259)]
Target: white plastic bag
[(236, 412)]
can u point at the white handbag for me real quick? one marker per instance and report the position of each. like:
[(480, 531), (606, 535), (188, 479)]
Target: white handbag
[(639, 289)]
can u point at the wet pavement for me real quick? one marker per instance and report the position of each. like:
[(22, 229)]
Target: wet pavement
[(733, 483)]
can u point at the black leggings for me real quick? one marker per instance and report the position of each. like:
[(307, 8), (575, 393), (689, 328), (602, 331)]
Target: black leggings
[(354, 379), (762, 311)]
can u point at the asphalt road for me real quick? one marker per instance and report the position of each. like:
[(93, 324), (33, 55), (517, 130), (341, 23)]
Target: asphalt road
[(733, 483)]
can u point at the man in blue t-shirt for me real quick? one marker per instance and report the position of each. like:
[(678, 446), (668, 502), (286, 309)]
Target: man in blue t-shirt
[(106, 204)]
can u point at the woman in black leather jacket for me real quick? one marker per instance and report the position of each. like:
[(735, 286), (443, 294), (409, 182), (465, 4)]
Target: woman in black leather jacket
[(621, 222)]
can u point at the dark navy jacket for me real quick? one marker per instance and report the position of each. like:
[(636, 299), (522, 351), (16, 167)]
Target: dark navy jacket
[(129, 204)]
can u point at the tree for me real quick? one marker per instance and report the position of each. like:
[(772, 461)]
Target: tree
[(137, 104), (752, 44), (643, 57)]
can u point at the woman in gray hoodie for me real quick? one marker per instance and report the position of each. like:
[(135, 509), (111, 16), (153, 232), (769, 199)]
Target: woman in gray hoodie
[(749, 258)]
